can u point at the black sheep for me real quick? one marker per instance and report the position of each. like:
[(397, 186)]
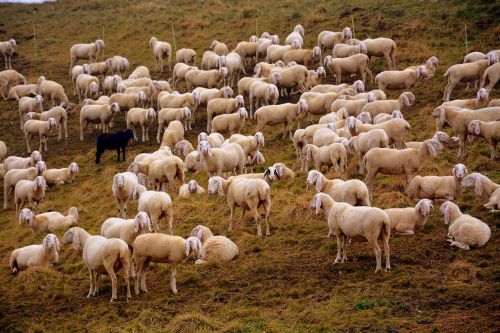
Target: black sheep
[(110, 141)]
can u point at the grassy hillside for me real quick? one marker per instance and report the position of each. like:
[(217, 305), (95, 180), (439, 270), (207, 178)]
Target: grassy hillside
[(287, 282)]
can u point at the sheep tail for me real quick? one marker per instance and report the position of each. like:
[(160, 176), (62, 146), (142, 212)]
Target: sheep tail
[(263, 193), (363, 197), (447, 73), (13, 264)]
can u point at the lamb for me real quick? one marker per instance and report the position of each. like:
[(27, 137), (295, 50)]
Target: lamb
[(249, 194), (490, 130), (29, 104), (464, 230), (382, 47), (405, 79), (101, 256), (230, 123), (123, 186), (173, 134), (13, 176), (353, 191), (218, 248), (295, 35), (95, 114), (491, 77), (15, 162), (467, 73), (61, 176), (218, 106), (383, 117), (304, 57), (442, 137), (358, 87), (395, 162), (262, 93), (334, 155), (190, 188), (58, 113), (53, 91), (362, 143), (29, 191), (481, 101), (42, 128), (480, 183), (404, 220), (358, 63), (166, 170), (162, 248), (328, 39), (7, 49), (140, 117), (285, 114), (23, 90), (345, 50), (8, 79), (85, 51), (356, 223), (388, 106), (459, 120), (86, 84), (111, 141), (229, 158), (437, 188), (44, 254), (49, 222), (158, 205)]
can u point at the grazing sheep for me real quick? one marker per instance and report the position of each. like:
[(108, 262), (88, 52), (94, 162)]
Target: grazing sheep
[(58, 113), (53, 92), (42, 128), (8, 79), (162, 248), (351, 107), (405, 79), (464, 230), (190, 188), (173, 134), (381, 47), (15, 162), (481, 101), (230, 123), (490, 130), (276, 52), (345, 50), (157, 205), (7, 49), (362, 143), (111, 141), (49, 221), (304, 57), (396, 130), (358, 63), (383, 117), (85, 51), (352, 191), (110, 84), (315, 77), (229, 158), (166, 170), (286, 114), (459, 120), (206, 95), (44, 254), (442, 137), (23, 90), (29, 104), (29, 191), (190, 100), (406, 99), (318, 103), (430, 66), (140, 117), (248, 194), (358, 223), (358, 87), (140, 72), (61, 176), (480, 183), (262, 93), (247, 51), (219, 48), (395, 162), (123, 186), (99, 68), (13, 176), (186, 56), (291, 78), (97, 114), (101, 256), (217, 248), (404, 220), (435, 187), (204, 78)]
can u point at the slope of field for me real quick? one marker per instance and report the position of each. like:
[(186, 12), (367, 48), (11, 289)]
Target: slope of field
[(286, 282)]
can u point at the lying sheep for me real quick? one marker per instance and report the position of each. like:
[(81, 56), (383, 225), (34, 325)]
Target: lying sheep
[(356, 223), (29, 104), (406, 99), (404, 220), (362, 143), (23, 90), (59, 114), (285, 114), (395, 162), (218, 248), (140, 117), (61, 176), (464, 230), (334, 155), (358, 63), (158, 205), (49, 221), (405, 79), (190, 188), (352, 191), (13, 176), (101, 256), (44, 254), (15, 162), (162, 248), (42, 128), (248, 194), (27, 191), (490, 130), (480, 183), (230, 123), (436, 187), (122, 188), (229, 158), (97, 114)]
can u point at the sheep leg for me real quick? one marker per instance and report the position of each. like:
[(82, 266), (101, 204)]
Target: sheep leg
[(458, 244), (339, 249), (385, 241), (461, 145), (91, 278), (109, 268), (231, 219), (378, 253), (255, 212), (28, 139), (493, 146), (96, 284), (389, 60), (170, 220), (45, 139), (344, 249), (173, 281)]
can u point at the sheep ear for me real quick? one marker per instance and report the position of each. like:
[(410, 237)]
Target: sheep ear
[(76, 240), (478, 186), (477, 128), (188, 246), (220, 188), (199, 234), (442, 115), (447, 214), (319, 184), (137, 223), (432, 149), (47, 242)]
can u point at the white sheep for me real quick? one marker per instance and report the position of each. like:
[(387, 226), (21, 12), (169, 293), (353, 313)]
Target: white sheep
[(190, 100), (86, 85), (123, 187), (358, 63), (29, 104), (262, 93), (27, 191), (216, 140), (382, 47), (228, 158), (98, 114), (7, 49), (59, 114), (164, 171), (140, 117), (77, 70), (442, 137), (44, 254), (22, 90), (49, 221), (140, 72), (15, 162), (211, 78), (291, 79), (230, 123), (286, 114), (248, 194), (404, 220), (206, 95), (358, 87), (430, 66), (190, 188), (61, 176), (218, 106), (162, 248), (118, 65), (480, 183), (405, 79), (345, 50), (12, 176), (53, 92), (491, 77), (173, 134), (186, 56), (328, 39), (158, 205), (295, 35), (42, 128), (110, 84), (101, 256), (219, 248), (3, 151), (358, 223), (481, 101), (436, 187), (334, 155), (8, 79), (490, 130), (406, 99), (396, 130), (362, 143), (85, 51), (219, 47), (464, 230)]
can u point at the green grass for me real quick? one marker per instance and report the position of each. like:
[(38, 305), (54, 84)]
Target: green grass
[(287, 282)]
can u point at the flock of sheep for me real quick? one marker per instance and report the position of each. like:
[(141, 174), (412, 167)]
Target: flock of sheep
[(354, 125)]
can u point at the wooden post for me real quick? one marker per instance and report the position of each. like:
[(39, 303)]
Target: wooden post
[(353, 32), (257, 27), (34, 37), (103, 41), (173, 35), (466, 42)]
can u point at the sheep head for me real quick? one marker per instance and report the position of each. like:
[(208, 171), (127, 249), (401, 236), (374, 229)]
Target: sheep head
[(474, 179), (317, 203), (72, 236), (40, 183), (142, 221), (482, 94), (26, 215), (50, 242), (41, 167), (259, 139), (215, 186), (204, 148), (365, 117), (36, 156), (192, 244), (424, 207), (397, 114), (302, 106), (192, 186), (459, 171)]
